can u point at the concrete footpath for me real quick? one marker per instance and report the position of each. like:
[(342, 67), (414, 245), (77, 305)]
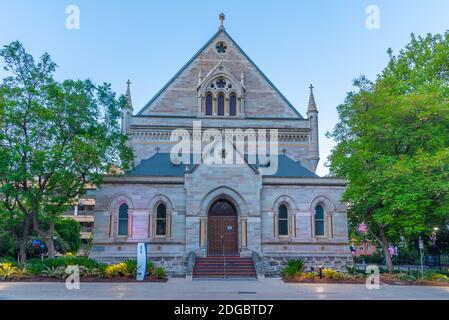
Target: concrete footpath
[(180, 289)]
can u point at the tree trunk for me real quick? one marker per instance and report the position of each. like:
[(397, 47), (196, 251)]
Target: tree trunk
[(386, 251), (23, 240), (50, 245), (47, 236)]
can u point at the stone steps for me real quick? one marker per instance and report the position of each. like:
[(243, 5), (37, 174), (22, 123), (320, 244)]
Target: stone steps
[(224, 267)]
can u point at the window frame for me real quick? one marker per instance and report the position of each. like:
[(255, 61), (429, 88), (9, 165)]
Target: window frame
[(320, 220), (210, 98), (284, 219), (157, 219), (121, 219)]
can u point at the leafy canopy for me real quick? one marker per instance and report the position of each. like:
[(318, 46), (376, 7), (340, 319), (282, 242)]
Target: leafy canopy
[(393, 142)]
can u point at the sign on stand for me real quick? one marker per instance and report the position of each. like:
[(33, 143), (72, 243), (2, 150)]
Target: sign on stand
[(141, 261)]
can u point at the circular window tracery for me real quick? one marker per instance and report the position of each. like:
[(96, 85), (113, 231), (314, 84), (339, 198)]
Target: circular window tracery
[(221, 47)]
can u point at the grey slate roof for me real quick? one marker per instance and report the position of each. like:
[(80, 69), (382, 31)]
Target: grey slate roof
[(161, 165)]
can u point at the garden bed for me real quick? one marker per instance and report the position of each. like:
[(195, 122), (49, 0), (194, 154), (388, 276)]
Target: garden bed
[(383, 280), (83, 279)]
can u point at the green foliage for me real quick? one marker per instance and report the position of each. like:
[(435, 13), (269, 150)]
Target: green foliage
[(54, 272), (130, 267), (293, 268), (297, 263), (34, 267), (60, 137), (160, 273), (150, 267), (393, 144), (69, 231)]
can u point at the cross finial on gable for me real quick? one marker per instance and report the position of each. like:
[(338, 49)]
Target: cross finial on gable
[(222, 19), (311, 87)]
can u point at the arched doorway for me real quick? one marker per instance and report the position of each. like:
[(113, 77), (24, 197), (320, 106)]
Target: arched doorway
[(222, 228)]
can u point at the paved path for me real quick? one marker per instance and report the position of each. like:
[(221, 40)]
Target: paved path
[(174, 289)]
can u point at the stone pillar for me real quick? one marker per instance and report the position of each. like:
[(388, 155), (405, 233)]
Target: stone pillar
[(276, 225), (150, 226), (329, 226), (293, 225), (203, 222), (312, 224), (244, 236)]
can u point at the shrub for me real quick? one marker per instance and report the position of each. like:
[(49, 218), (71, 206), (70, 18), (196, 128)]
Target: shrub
[(127, 268), (293, 268), (150, 267), (332, 274), (54, 272), (289, 271), (8, 270), (438, 277), (311, 275), (130, 267), (352, 270), (160, 273), (34, 267), (297, 263)]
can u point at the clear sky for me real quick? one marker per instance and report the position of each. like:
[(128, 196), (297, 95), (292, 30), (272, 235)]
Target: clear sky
[(294, 42)]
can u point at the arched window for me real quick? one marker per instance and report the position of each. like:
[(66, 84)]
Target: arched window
[(161, 220), (220, 110), (283, 220), (123, 220), (209, 105), (233, 105), (319, 221)]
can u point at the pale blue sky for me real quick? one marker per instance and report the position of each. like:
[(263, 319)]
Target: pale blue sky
[(294, 42)]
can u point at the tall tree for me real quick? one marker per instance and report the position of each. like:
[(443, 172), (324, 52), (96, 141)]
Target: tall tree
[(393, 144), (54, 138)]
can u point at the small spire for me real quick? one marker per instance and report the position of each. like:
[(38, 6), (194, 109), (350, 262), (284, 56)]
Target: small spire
[(312, 104), (222, 17), (128, 94), (242, 78)]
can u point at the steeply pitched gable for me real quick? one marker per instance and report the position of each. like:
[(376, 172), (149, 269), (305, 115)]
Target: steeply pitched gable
[(179, 95)]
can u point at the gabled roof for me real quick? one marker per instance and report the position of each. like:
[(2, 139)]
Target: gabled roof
[(148, 105), (160, 165)]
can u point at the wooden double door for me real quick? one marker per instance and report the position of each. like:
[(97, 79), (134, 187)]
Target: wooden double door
[(222, 228)]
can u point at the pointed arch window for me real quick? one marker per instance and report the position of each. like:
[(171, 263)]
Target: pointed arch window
[(319, 221), (123, 220), (161, 220), (221, 102), (233, 105), (209, 104), (283, 220)]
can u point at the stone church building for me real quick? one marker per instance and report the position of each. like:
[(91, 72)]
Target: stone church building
[(189, 213)]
